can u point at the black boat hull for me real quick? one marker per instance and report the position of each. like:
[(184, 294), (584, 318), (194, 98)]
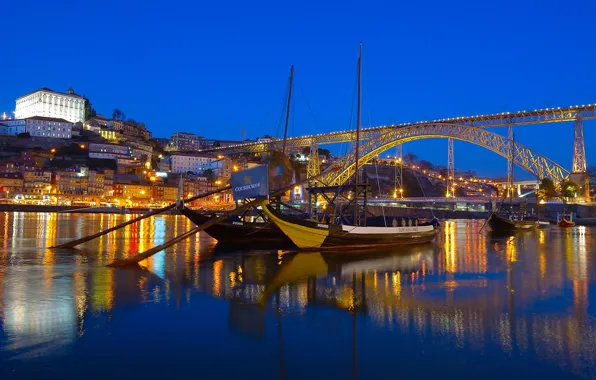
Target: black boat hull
[(242, 235), (498, 224)]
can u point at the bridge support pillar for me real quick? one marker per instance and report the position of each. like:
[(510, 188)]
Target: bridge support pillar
[(579, 159), (450, 169), (313, 168), (399, 178), (510, 160)]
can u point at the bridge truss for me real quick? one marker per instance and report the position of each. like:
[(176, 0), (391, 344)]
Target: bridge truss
[(536, 164), (503, 119)]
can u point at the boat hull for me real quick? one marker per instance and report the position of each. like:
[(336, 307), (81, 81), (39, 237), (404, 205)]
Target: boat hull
[(498, 223), (242, 235), (309, 235), (564, 223)]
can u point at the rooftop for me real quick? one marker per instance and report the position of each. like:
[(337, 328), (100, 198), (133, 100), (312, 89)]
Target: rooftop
[(47, 119), (69, 92), (188, 154)]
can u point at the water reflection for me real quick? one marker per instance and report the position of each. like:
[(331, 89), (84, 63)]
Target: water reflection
[(475, 292)]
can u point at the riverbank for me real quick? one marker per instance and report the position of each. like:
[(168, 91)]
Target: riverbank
[(70, 209)]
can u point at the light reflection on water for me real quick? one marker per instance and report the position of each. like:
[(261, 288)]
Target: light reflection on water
[(510, 300)]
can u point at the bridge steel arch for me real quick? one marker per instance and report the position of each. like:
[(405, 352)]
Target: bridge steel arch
[(526, 158)]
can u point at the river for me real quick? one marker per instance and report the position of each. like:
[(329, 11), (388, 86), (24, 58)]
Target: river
[(468, 305)]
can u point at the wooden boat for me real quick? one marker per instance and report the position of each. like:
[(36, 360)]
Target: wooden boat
[(502, 223), (310, 235), (565, 221), (237, 233)]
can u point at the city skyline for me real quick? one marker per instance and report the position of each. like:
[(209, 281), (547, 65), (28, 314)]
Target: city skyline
[(199, 74)]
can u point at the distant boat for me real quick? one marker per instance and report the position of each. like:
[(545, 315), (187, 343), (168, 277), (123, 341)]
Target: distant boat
[(543, 224), (507, 223), (565, 220)]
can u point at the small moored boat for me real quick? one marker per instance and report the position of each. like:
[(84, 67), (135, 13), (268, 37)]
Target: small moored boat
[(510, 222), (565, 220)]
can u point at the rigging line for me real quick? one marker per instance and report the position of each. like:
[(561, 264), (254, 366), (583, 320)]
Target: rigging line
[(378, 181), (349, 128), (379, 186), (310, 108), (283, 111)]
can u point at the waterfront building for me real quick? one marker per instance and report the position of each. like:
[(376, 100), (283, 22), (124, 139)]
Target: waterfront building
[(52, 104), (108, 182), (165, 193), (10, 183), (77, 181), (36, 181), (192, 162), (185, 142), (131, 191)]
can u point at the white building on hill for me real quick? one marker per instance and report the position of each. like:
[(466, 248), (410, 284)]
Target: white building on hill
[(48, 103)]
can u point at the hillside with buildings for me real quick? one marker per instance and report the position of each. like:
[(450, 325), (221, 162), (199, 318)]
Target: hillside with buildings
[(58, 150)]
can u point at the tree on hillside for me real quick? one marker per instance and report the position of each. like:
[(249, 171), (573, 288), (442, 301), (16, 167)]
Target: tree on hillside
[(116, 114), (424, 164), (546, 189), (123, 117), (89, 111), (410, 157), (570, 188)]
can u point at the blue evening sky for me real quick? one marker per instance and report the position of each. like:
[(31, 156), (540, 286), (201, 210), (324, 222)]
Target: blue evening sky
[(209, 66)]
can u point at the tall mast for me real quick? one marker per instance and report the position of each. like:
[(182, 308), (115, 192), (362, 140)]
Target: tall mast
[(356, 155), (283, 147)]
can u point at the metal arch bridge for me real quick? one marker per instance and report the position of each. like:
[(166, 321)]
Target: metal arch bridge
[(503, 119), (467, 128), (526, 158)]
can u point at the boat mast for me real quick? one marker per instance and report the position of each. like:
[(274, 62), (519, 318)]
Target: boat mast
[(356, 154), (283, 147)]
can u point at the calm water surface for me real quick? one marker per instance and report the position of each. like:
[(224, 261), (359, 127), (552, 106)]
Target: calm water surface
[(470, 305)]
